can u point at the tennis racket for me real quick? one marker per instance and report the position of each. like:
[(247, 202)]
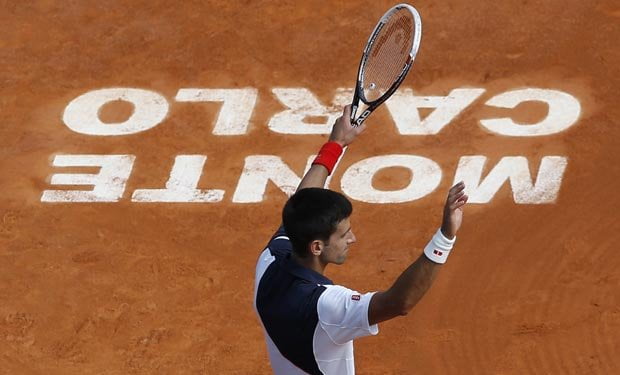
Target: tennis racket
[(386, 60)]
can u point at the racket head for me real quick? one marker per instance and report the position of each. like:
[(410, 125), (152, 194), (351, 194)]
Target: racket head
[(388, 56)]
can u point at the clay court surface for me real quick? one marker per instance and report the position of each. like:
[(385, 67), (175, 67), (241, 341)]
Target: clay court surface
[(166, 288)]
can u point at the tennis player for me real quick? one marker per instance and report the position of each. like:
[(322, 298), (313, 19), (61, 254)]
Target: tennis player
[(309, 322)]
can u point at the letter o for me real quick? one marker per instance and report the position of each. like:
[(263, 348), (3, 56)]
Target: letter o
[(82, 113), (357, 180)]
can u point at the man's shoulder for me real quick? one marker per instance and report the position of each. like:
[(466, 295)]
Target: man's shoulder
[(280, 244)]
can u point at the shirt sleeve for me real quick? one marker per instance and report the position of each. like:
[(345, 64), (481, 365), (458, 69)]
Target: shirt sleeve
[(343, 314)]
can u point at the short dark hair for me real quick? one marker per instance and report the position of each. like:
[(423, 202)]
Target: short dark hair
[(313, 214)]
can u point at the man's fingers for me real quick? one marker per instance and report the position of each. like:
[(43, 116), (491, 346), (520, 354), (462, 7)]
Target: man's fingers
[(456, 188), (454, 197), (456, 191), (456, 200), (461, 202)]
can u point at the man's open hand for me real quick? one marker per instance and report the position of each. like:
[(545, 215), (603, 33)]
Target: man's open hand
[(453, 212)]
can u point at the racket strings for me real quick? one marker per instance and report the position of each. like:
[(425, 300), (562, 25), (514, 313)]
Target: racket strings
[(388, 55)]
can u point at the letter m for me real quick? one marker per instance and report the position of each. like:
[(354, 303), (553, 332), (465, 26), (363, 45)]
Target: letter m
[(517, 171)]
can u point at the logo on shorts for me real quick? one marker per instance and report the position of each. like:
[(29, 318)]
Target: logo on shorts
[(356, 297)]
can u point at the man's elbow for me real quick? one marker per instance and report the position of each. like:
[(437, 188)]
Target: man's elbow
[(405, 307), (405, 311), (395, 305)]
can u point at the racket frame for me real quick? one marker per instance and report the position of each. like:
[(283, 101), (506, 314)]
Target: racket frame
[(359, 92)]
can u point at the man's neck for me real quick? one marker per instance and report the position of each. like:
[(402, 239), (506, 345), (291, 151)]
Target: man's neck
[(311, 262)]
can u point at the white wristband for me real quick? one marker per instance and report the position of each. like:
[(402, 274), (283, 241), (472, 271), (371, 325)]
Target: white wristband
[(439, 248)]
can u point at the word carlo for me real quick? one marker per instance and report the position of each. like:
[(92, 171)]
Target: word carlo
[(150, 109)]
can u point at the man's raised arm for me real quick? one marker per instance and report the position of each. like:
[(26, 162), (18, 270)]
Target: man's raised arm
[(413, 283), (343, 133)]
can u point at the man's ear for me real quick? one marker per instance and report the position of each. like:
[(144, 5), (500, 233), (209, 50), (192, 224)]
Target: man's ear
[(316, 247)]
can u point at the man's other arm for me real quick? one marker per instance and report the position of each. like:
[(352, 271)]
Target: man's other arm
[(413, 283)]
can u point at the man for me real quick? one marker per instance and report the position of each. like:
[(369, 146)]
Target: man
[(309, 322)]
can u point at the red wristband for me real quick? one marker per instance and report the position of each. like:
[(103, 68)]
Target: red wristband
[(328, 156)]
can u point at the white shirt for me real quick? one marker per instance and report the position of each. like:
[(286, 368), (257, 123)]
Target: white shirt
[(309, 323)]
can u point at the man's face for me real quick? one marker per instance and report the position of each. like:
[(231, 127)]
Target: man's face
[(336, 249)]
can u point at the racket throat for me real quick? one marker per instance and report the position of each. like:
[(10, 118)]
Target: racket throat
[(362, 117)]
